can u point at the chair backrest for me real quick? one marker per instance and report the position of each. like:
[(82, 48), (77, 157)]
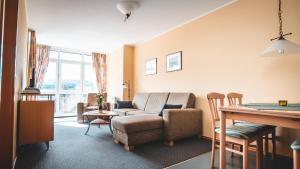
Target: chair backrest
[(234, 98), (91, 99), (215, 100)]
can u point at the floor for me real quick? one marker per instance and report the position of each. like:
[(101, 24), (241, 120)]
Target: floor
[(74, 150), (203, 162)]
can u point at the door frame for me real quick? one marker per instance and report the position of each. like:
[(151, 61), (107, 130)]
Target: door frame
[(7, 78)]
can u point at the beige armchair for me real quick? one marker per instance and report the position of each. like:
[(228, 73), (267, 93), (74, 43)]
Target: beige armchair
[(90, 106)]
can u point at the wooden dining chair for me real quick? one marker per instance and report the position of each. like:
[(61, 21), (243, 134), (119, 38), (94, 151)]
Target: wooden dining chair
[(237, 99), (296, 153), (238, 135)]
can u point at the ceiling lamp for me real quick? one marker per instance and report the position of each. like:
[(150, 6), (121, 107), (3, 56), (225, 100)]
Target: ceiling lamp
[(280, 45), (127, 7)]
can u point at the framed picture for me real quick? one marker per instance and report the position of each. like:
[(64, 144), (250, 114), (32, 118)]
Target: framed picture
[(174, 61), (151, 66)]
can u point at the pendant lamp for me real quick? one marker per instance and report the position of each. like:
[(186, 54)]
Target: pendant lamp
[(281, 46)]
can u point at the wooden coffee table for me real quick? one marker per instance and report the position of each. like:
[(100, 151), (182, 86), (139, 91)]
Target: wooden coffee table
[(102, 117)]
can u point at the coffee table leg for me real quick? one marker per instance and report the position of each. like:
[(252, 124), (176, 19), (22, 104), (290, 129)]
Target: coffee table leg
[(110, 124), (88, 125), (47, 144)]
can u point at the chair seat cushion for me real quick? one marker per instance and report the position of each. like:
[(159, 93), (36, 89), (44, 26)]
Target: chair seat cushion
[(296, 145), (242, 132), (137, 123), (258, 126), (91, 108)]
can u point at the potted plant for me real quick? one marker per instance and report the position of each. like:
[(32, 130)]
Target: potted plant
[(100, 100)]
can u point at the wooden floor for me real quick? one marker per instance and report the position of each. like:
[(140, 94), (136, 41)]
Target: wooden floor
[(203, 162)]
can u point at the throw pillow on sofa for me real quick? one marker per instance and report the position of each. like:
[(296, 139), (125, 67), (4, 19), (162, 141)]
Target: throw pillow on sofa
[(124, 104), (170, 106)]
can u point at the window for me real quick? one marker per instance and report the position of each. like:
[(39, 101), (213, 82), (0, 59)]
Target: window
[(50, 80), (70, 56), (68, 103), (89, 78), (70, 76)]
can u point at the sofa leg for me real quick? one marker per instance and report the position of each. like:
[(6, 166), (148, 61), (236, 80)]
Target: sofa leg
[(116, 141), (128, 148), (170, 143)]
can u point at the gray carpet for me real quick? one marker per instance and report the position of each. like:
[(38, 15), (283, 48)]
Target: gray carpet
[(235, 162), (74, 150)]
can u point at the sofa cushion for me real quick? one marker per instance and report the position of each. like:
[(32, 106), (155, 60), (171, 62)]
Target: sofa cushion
[(137, 123), (124, 104), (137, 112), (156, 102), (123, 112), (139, 101), (187, 100), (169, 106)]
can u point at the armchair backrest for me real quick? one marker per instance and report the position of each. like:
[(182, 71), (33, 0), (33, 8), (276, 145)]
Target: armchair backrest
[(92, 99)]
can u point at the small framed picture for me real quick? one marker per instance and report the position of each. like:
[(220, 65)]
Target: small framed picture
[(174, 61), (151, 66)]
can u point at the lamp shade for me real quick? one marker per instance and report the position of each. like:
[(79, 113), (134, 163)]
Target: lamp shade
[(281, 47), (126, 7)]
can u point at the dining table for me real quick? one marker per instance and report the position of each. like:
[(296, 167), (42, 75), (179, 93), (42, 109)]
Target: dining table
[(259, 113)]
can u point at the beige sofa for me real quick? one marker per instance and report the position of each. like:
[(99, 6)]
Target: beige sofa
[(142, 124)]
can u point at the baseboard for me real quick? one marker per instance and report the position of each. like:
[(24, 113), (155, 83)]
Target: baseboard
[(206, 138)]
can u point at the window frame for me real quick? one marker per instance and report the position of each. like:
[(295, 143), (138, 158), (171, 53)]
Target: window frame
[(58, 91)]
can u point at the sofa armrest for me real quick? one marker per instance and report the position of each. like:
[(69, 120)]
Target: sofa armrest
[(181, 123)]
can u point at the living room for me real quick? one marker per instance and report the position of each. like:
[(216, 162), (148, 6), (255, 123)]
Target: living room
[(158, 69)]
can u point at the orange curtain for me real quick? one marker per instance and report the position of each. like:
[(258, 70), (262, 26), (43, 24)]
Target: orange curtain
[(42, 61), (32, 55), (99, 64)]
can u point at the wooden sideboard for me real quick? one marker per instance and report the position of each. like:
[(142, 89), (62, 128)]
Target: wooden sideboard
[(36, 119)]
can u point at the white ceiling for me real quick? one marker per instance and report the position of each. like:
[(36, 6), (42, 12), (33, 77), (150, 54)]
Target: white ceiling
[(96, 25)]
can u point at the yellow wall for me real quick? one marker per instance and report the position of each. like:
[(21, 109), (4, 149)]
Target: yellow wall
[(115, 74), (120, 69), (221, 54), (128, 71), (21, 59)]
